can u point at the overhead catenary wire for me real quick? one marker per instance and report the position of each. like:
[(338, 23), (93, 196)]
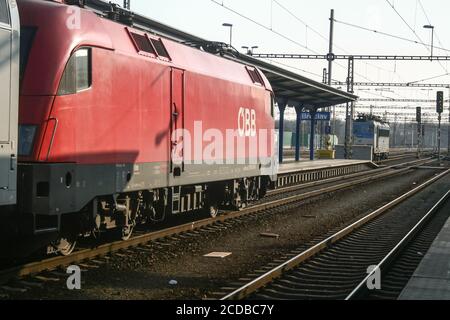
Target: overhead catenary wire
[(323, 37), (263, 26), (349, 24), (431, 78), (295, 68), (413, 31), (429, 22), (310, 28), (277, 33), (398, 38)]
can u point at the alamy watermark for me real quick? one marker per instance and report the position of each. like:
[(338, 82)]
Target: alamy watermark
[(225, 147), (73, 22), (374, 280), (74, 280)]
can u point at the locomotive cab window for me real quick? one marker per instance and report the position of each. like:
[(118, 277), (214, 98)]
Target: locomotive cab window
[(78, 73), (4, 12), (384, 132)]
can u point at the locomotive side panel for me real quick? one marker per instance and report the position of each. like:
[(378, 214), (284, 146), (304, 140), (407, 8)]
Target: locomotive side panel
[(373, 133), (229, 127)]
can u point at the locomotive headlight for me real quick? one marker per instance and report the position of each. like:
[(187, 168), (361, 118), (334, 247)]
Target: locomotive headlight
[(26, 139)]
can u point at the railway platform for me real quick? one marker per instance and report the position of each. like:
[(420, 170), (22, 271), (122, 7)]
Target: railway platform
[(291, 165), (294, 172), (431, 280)]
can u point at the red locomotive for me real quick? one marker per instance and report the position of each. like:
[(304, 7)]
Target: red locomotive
[(119, 127)]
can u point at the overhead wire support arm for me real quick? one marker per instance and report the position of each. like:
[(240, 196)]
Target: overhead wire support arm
[(397, 100), (394, 84), (346, 57)]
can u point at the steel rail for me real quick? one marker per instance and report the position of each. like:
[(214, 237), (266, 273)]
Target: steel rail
[(277, 272), (396, 158)]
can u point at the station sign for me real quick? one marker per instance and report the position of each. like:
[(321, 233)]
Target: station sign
[(320, 116)]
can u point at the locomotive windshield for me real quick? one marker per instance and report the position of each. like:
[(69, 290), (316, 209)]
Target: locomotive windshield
[(77, 75), (363, 129), (27, 35), (384, 132)]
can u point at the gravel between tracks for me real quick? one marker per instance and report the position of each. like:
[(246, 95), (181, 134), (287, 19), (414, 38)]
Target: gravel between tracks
[(146, 275)]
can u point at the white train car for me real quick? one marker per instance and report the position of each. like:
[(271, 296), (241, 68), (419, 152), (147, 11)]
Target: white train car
[(372, 131), (9, 93)]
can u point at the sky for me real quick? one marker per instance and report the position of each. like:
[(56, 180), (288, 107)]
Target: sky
[(302, 27)]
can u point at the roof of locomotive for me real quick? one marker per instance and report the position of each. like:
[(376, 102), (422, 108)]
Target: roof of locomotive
[(58, 38), (376, 123), (287, 86)]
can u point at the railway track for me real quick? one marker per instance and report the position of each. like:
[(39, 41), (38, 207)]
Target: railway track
[(337, 267), (399, 265), (396, 158), (289, 200), (403, 156)]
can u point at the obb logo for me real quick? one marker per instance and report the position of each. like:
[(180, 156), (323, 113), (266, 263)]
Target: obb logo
[(247, 122)]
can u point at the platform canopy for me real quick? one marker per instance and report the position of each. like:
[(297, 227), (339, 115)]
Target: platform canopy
[(287, 85), (297, 89)]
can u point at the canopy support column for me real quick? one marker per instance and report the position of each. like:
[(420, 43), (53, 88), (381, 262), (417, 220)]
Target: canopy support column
[(313, 133), (282, 104), (298, 110)]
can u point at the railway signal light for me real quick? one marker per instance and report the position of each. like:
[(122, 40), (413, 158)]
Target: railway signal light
[(440, 102), (419, 114)]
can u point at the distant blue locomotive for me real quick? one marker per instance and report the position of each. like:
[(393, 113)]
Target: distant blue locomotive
[(373, 131)]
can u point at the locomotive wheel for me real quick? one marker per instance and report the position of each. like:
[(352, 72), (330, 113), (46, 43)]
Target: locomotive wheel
[(213, 210), (127, 232), (65, 245)]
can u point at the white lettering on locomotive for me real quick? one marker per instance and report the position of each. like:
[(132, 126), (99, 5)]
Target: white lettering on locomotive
[(247, 122), (73, 22)]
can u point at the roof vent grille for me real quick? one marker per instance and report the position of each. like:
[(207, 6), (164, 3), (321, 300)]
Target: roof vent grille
[(160, 48), (255, 76), (142, 43)]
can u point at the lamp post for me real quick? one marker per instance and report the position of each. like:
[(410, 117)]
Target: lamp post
[(250, 49), (432, 38), (229, 25)]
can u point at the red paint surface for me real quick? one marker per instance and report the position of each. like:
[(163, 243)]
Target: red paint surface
[(126, 115)]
